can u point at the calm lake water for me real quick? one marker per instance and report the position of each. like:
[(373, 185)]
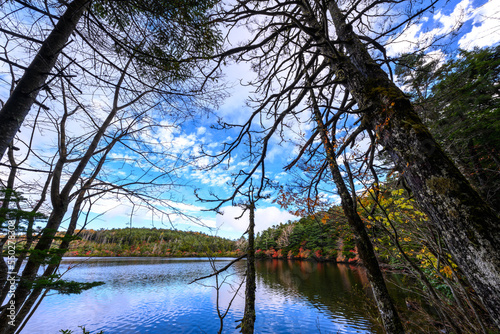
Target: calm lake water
[(152, 295)]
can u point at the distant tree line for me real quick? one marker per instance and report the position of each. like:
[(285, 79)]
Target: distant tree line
[(321, 236), (150, 242)]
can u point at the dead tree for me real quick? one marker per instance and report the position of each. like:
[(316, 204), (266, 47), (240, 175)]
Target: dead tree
[(336, 45)]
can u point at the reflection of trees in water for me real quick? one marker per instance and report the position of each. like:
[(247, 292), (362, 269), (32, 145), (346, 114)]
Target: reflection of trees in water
[(339, 288)]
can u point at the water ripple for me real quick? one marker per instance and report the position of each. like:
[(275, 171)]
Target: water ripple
[(151, 296)]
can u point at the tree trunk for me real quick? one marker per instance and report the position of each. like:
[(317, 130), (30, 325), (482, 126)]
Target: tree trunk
[(247, 324), (18, 105), (469, 226), (388, 313), (6, 201)]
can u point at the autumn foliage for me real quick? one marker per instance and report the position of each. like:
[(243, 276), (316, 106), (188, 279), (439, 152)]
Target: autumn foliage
[(150, 242)]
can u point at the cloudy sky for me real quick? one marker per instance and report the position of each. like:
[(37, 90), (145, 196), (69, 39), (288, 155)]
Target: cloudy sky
[(480, 28)]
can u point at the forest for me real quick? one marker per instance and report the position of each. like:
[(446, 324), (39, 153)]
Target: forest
[(150, 242), (375, 123)]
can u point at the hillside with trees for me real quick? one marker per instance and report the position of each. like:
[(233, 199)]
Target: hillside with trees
[(150, 242), (323, 236)]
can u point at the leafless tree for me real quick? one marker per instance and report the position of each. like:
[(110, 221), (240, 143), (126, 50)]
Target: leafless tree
[(82, 168), (338, 50)]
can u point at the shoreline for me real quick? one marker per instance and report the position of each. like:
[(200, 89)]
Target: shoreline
[(310, 259)]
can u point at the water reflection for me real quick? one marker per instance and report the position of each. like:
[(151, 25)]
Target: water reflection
[(152, 295), (336, 292)]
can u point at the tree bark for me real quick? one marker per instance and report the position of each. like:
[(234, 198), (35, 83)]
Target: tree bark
[(469, 226), (18, 105)]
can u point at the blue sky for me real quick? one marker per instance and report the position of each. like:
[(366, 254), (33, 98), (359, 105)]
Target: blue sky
[(481, 28)]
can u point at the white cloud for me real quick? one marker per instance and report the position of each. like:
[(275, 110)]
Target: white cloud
[(437, 55), (183, 142), (112, 208), (209, 223), (280, 175), (486, 27), (184, 207), (201, 130), (461, 12), (332, 198), (406, 41), (214, 177), (414, 37), (264, 218), (116, 212)]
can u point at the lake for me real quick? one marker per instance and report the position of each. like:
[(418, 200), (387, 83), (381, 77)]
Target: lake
[(152, 295)]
